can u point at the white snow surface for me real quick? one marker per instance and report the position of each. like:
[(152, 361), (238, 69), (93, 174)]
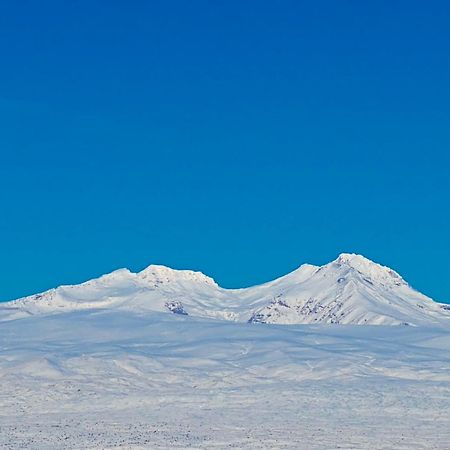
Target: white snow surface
[(350, 290), (166, 359), (120, 379)]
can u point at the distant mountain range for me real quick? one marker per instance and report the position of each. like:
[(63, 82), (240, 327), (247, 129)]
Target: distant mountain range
[(349, 290)]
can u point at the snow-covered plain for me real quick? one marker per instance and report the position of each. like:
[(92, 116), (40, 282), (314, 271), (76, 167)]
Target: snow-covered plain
[(104, 370), (117, 379)]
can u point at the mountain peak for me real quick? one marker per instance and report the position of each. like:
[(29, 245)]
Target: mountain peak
[(159, 274), (369, 268), (349, 257)]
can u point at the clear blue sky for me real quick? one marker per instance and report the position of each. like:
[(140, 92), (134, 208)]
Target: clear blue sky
[(240, 138)]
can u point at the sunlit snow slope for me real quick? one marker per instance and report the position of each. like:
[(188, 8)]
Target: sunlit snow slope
[(350, 290)]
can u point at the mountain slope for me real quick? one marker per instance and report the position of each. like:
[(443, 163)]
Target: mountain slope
[(349, 290)]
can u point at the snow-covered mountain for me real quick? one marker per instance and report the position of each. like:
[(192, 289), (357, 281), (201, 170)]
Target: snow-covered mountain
[(140, 360), (350, 290)]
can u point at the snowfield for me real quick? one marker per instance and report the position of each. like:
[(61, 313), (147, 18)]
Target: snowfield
[(116, 379), (127, 362)]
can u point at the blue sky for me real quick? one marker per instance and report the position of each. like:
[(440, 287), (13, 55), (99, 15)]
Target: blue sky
[(237, 138)]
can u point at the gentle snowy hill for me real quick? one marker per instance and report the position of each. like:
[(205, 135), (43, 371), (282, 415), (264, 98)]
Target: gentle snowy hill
[(349, 290)]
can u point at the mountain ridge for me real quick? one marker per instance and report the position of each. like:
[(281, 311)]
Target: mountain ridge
[(351, 289)]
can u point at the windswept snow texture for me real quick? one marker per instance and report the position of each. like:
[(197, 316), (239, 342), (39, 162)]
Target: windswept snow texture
[(349, 290), (110, 378)]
